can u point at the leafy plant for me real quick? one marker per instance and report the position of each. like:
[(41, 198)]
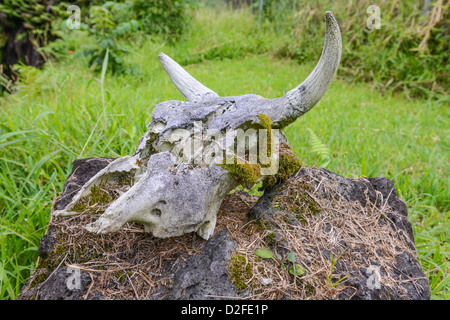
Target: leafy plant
[(163, 17), (264, 253), (109, 23), (296, 270), (409, 53), (293, 268), (25, 27), (320, 149), (112, 22)]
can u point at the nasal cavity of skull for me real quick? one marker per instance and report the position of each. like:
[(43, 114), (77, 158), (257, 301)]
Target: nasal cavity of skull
[(156, 211)]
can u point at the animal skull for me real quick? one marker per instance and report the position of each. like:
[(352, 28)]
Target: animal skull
[(172, 191)]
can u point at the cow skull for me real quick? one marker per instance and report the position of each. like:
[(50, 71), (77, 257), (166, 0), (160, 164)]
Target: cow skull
[(172, 189)]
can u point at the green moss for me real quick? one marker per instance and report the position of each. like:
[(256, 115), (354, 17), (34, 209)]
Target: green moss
[(270, 239), (267, 123), (288, 165), (39, 278), (294, 201), (126, 178), (246, 173), (249, 174), (314, 208), (45, 266), (80, 206), (303, 207), (240, 271), (261, 225), (267, 227), (121, 275), (97, 197), (306, 204)]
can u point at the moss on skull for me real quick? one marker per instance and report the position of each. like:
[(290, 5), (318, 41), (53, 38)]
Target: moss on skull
[(267, 123), (249, 174), (288, 165), (97, 197), (246, 173)]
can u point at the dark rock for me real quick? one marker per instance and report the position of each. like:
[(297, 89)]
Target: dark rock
[(362, 283), (376, 190), (387, 189), (47, 242), (204, 275), (82, 171), (63, 284)]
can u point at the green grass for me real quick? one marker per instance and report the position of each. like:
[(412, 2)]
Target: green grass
[(57, 116)]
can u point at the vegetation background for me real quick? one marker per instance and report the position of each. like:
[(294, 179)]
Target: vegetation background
[(385, 114)]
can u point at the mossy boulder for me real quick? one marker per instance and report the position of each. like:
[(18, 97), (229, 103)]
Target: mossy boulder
[(355, 229), (350, 237)]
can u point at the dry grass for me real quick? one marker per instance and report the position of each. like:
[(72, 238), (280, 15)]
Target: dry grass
[(124, 265), (129, 264), (330, 240), (355, 237)]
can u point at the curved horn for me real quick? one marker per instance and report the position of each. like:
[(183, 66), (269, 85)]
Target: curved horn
[(189, 87), (301, 99)]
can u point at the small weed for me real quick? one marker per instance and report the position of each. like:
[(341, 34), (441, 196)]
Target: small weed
[(333, 260)]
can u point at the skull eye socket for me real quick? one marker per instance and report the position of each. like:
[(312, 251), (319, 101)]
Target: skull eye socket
[(156, 212)]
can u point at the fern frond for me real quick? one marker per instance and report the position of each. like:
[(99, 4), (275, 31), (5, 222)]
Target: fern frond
[(320, 149)]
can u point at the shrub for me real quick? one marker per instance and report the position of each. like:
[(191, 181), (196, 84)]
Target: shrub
[(108, 23), (409, 52), (25, 26), (163, 17)]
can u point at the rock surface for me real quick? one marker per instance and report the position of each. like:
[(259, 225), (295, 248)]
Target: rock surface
[(204, 275), (57, 288), (82, 171), (189, 267), (363, 280)]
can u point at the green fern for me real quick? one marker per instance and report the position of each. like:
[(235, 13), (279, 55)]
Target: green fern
[(320, 149)]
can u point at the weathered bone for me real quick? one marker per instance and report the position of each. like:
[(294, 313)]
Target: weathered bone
[(172, 193), (189, 87), (302, 98)]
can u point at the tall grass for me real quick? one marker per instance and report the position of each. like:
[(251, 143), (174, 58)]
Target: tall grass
[(58, 115), (408, 53)]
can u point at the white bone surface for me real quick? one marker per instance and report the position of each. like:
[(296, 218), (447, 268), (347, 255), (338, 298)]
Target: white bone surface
[(174, 194)]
